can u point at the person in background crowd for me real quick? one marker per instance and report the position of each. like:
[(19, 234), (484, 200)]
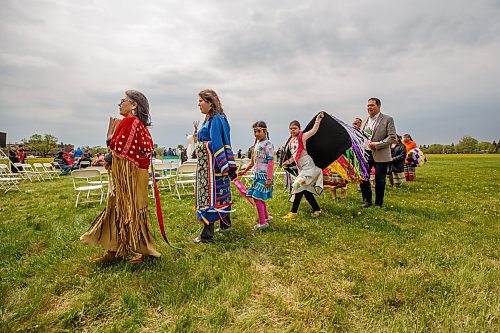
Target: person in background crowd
[(99, 160), (84, 158), (334, 181), (184, 156), (239, 153), (123, 228), (62, 163), (68, 158), (356, 123), (396, 168), (279, 155), (409, 167), (381, 133), (78, 153), (21, 156), (13, 158)]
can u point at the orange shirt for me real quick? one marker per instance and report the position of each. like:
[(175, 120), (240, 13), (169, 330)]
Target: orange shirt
[(409, 145)]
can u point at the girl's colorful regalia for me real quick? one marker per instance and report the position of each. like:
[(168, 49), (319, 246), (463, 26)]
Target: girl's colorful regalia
[(414, 158), (263, 164), (309, 180), (409, 167), (123, 226), (215, 159), (310, 177)]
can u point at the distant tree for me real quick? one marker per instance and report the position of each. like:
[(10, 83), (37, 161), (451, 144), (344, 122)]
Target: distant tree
[(485, 147), (41, 145), (435, 148), (94, 150), (453, 149), (159, 152), (493, 148), (467, 145), (179, 146)]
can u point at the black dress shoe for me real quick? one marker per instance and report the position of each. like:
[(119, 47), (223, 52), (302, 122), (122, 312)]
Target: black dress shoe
[(366, 204)]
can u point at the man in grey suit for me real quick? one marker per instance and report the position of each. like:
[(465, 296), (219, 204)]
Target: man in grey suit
[(381, 133)]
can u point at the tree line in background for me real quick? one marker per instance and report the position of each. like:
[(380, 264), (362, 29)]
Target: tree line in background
[(47, 145), (466, 145)]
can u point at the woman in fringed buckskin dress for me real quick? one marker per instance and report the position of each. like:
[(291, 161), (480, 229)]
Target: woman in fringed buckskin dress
[(123, 227)]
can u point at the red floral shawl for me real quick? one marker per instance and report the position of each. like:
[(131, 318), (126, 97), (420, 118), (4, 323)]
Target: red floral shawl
[(132, 141)]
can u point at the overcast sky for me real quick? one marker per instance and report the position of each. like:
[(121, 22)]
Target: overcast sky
[(64, 65)]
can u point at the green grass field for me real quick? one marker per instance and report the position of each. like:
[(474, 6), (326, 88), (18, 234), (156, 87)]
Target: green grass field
[(427, 262)]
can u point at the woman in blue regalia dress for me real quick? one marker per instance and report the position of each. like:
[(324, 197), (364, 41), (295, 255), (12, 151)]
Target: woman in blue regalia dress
[(215, 168)]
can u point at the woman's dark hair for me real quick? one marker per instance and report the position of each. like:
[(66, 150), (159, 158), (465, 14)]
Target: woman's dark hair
[(409, 136), (210, 96), (142, 110)]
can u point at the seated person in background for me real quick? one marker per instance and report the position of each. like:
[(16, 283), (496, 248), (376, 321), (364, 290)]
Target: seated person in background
[(85, 158), (78, 153), (99, 160), (68, 158), (62, 163)]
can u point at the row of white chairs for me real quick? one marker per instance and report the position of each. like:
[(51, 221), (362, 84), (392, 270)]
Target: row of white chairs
[(183, 177), (35, 172)]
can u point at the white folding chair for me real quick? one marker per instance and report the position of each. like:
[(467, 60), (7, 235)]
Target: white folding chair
[(185, 178), (104, 173), (248, 177), (81, 184), (8, 180), (84, 164), (23, 174), (38, 167), (51, 170), (31, 172), (279, 175), (166, 174)]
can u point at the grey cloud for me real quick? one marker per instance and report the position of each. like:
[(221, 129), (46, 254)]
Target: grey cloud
[(65, 65)]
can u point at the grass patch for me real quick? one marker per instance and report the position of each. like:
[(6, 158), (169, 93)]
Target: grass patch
[(427, 262)]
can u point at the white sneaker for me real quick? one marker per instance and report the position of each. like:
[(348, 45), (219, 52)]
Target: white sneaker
[(269, 219), (260, 226), (224, 230)]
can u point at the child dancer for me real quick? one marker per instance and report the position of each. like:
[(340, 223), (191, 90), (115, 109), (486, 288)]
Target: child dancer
[(310, 177), (262, 185)]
